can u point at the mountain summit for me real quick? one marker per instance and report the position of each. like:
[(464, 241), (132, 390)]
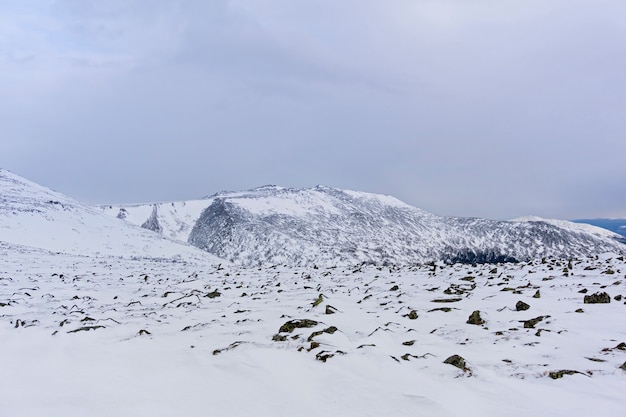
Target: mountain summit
[(328, 226)]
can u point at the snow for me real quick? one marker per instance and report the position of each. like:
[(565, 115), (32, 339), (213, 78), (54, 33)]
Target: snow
[(579, 227), (31, 215), (216, 355), (100, 318), (326, 226)]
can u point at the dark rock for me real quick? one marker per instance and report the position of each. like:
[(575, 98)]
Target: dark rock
[(598, 298), (444, 309), (446, 300), (394, 288), (213, 294), (623, 366), (618, 297), (559, 374), (329, 330), (412, 315), (530, 324), (521, 306), (537, 294), (458, 361), (319, 300), (86, 329), (291, 325), (475, 318), (279, 338), (330, 309)]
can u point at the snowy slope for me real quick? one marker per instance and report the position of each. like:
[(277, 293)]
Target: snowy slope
[(139, 337), (34, 216), (326, 226)]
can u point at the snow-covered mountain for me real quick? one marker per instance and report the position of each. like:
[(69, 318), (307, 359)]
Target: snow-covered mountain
[(326, 226), (37, 217)]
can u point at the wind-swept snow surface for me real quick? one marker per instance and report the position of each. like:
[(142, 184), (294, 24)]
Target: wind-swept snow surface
[(102, 336)]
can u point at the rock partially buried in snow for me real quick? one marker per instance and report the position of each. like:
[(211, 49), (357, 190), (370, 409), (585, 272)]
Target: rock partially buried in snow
[(475, 318), (598, 298), (521, 306), (562, 372), (291, 325), (458, 361), (530, 324)]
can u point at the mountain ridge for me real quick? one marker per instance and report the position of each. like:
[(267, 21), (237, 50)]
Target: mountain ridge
[(325, 225)]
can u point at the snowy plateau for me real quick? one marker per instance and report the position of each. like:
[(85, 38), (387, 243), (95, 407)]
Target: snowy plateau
[(281, 302)]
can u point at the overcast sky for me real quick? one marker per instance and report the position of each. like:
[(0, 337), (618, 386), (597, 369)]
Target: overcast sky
[(488, 108)]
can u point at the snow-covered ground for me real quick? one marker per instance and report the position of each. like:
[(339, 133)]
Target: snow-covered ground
[(103, 335)]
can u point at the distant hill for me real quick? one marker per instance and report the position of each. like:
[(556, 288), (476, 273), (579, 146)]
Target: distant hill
[(615, 225), (324, 226)]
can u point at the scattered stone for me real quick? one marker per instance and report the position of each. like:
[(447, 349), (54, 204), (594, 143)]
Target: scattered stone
[(323, 356), (319, 300), (521, 306), (580, 310), (143, 332), (394, 288), (621, 346), (213, 294), (412, 315), (458, 361), (562, 372), (86, 329), (494, 271), (595, 359), (598, 298), (330, 309), (583, 291), (291, 325), (279, 338), (329, 330), (530, 324), (623, 366), (475, 318), (618, 297), (537, 294), (409, 343), (230, 347), (446, 300), (444, 309)]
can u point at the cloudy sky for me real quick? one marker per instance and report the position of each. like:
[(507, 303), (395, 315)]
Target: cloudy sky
[(489, 108)]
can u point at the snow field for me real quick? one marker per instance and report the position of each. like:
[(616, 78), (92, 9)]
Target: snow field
[(193, 338)]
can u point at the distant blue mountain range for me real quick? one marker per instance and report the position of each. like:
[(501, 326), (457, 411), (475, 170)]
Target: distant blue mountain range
[(614, 225)]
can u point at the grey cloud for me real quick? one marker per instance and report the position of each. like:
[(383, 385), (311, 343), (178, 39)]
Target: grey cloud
[(494, 109)]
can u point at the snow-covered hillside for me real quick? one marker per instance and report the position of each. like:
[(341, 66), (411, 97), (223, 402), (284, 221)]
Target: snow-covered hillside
[(327, 226), (97, 336), (100, 317), (35, 216)]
